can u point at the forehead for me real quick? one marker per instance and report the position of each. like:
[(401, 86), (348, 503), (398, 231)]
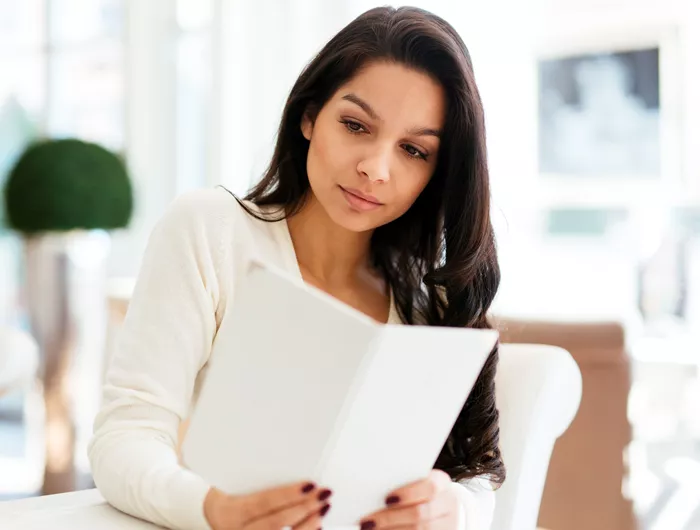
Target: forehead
[(398, 94)]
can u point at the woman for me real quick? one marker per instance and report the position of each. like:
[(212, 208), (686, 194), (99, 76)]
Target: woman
[(378, 194)]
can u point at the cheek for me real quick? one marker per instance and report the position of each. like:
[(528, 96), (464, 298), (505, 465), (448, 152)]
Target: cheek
[(408, 189), (328, 156)]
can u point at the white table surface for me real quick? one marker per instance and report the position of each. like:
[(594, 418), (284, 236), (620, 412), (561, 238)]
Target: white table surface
[(82, 510)]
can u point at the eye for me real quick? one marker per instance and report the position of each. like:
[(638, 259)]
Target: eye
[(413, 152), (353, 126)]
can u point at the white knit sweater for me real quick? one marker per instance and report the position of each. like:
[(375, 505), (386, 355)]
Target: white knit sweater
[(189, 271)]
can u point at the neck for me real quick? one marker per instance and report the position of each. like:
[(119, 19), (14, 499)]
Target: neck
[(332, 254)]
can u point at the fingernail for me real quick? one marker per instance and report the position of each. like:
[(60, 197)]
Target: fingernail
[(308, 488), (367, 525), (325, 509), (392, 499), (324, 494)]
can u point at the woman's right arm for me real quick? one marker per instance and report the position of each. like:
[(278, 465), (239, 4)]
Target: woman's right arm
[(164, 342)]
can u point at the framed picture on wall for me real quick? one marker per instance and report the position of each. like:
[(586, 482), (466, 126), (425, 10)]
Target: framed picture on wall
[(608, 114), (599, 114)]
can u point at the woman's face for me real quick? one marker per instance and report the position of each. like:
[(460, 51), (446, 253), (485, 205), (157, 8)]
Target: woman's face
[(374, 145)]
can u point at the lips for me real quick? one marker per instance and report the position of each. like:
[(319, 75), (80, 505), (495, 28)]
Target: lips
[(363, 196), (358, 201)]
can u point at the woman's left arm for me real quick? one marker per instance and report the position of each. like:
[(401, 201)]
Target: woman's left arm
[(436, 503)]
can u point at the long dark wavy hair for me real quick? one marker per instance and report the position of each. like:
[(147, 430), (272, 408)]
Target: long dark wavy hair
[(439, 258)]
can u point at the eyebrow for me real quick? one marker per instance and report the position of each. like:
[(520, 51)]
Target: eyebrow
[(419, 131)]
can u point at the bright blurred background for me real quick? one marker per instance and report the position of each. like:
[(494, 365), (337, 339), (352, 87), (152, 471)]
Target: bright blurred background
[(593, 122)]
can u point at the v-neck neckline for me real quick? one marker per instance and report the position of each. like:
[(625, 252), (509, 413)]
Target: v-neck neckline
[(292, 264)]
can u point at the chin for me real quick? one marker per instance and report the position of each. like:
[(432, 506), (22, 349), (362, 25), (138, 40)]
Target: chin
[(354, 221)]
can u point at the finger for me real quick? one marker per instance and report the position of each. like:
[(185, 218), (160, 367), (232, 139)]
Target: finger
[(420, 491), (412, 515), (266, 502), (315, 520), (290, 516)]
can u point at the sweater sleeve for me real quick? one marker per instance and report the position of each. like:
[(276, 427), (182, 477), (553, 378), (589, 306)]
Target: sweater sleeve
[(163, 344), (478, 503)]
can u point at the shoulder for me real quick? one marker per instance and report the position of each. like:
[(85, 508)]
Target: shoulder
[(205, 231), (217, 207), (204, 206), (199, 225), (204, 214), (215, 223)]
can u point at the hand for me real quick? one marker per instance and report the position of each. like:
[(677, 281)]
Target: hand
[(300, 506), (428, 504)]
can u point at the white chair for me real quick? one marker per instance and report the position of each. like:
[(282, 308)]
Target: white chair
[(538, 391), (19, 360)]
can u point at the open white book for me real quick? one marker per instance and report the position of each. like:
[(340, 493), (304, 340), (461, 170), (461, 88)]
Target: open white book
[(302, 387)]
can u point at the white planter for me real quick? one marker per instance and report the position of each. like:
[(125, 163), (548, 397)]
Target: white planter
[(65, 282)]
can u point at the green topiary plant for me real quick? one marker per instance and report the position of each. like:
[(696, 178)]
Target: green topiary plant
[(62, 185)]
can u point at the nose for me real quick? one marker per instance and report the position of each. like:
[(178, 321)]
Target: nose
[(376, 165)]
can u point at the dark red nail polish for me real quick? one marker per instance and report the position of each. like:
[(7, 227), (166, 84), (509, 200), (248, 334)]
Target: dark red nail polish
[(324, 510), (324, 494), (367, 525), (308, 488), (392, 499)]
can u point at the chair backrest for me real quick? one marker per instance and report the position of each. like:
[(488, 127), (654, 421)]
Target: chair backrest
[(19, 359), (538, 391)]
